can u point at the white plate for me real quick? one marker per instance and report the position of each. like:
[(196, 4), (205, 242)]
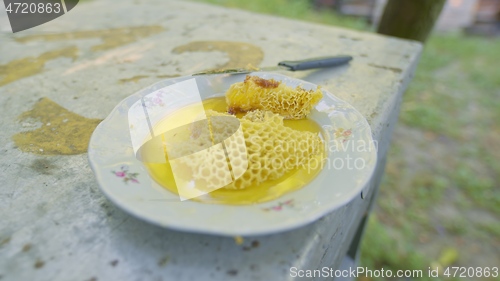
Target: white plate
[(125, 180)]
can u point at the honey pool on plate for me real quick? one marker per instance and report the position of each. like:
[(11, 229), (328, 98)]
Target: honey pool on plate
[(266, 191)]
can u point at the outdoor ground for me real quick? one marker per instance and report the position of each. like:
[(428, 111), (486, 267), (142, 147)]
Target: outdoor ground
[(439, 203)]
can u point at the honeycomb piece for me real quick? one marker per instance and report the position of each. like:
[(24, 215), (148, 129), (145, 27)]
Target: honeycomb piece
[(269, 94), (199, 148), (271, 149)]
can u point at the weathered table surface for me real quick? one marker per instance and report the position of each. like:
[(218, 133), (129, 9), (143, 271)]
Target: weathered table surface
[(58, 80)]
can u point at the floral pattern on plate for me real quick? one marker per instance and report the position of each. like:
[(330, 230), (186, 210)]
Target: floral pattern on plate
[(281, 205), (126, 175), (343, 134)]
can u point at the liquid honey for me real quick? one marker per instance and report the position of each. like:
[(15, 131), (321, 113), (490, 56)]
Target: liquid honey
[(266, 191)]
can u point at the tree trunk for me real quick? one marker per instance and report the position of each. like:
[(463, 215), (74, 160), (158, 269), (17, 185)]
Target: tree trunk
[(410, 19)]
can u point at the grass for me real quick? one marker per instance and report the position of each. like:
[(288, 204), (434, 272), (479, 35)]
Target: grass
[(451, 107), (457, 73), (430, 196), (294, 9)]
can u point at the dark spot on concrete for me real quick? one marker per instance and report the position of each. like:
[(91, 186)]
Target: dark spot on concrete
[(363, 55), (43, 166), (107, 209), (232, 272), (5, 241), (92, 279), (114, 263), (217, 268), (163, 261), (255, 244), (39, 264), (253, 267), (43, 207), (26, 247), (394, 69)]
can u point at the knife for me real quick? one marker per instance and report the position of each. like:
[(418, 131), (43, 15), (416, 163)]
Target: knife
[(313, 63)]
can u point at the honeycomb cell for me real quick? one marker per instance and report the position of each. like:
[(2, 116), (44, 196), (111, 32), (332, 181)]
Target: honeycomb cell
[(271, 95)]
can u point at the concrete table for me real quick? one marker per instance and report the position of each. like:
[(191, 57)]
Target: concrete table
[(58, 80)]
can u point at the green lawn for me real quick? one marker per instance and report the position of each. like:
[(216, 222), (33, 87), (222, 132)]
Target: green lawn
[(439, 203)]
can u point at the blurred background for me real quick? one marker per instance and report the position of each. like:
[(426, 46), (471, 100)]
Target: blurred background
[(439, 202)]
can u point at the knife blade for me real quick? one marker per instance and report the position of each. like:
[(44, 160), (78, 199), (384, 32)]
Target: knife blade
[(312, 63)]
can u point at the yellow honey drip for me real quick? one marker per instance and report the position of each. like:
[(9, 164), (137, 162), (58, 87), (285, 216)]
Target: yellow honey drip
[(266, 191)]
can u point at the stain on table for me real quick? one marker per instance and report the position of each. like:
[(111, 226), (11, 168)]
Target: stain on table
[(28, 66), (240, 54), (111, 38), (134, 79), (62, 132)]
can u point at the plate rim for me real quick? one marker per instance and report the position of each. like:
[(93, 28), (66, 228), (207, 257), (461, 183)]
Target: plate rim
[(309, 218)]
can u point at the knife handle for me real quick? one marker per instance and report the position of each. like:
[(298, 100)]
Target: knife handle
[(315, 63)]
